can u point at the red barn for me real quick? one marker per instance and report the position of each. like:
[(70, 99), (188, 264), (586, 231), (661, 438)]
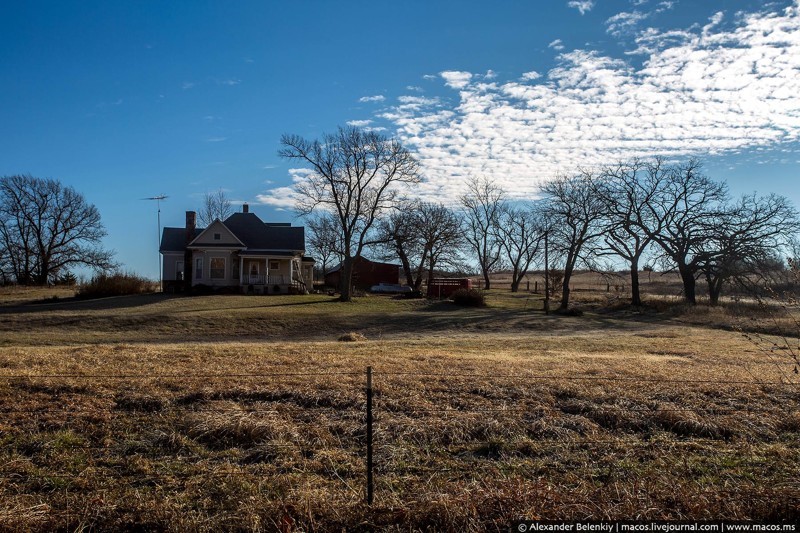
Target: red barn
[(366, 273)]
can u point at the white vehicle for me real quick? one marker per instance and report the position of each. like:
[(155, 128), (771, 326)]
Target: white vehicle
[(390, 288)]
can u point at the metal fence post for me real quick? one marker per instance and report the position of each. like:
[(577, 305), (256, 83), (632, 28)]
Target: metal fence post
[(370, 490)]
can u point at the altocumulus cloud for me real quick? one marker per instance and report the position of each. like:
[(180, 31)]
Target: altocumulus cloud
[(697, 91)]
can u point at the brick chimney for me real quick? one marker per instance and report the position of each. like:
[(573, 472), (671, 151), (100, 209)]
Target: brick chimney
[(191, 222), (245, 208)]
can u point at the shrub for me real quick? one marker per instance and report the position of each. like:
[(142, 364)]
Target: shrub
[(352, 337), (469, 298), (118, 284), (201, 289)]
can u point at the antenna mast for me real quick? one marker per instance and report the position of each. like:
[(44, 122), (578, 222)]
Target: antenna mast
[(158, 240)]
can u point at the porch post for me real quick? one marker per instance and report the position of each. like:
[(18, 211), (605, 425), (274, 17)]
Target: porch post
[(241, 271), (291, 272)]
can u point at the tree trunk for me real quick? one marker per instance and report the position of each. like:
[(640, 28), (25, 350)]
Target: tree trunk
[(565, 290), (569, 266), (515, 279), (487, 284), (636, 298), (714, 288), (346, 280), (406, 265), (689, 284)]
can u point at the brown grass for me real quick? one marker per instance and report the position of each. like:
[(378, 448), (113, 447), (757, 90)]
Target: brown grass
[(482, 416)]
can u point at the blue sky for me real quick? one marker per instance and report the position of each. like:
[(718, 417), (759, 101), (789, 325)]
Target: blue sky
[(125, 100)]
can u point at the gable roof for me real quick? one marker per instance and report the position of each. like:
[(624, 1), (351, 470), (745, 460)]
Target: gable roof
[(254, 234), (220, 226)]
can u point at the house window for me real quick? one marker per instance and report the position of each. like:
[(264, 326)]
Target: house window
[(217, 236), (179, 270), (198, 268), (254, 269), (217, 268), (274, 265)]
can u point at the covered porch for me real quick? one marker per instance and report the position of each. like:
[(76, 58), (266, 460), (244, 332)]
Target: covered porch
[(271, 274)]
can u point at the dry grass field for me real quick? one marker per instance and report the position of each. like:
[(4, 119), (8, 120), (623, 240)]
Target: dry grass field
[(246, 413)]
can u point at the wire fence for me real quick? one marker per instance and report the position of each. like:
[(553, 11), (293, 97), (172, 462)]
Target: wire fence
[(373, 423)]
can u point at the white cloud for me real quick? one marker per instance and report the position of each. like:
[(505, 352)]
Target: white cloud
[(376, 98), (216, 139), (702, 90), (187, 85), (490, 74), (359, 123), (284, 197), (456, 79), (229, 82), (556, 45), (583, 6), (624, 23), (415, 88), (530, 76), (429, 77)]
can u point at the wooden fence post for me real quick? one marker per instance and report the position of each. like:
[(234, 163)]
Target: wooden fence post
[(370, 490)]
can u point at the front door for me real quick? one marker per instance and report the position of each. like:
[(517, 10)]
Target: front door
[(253, 272)]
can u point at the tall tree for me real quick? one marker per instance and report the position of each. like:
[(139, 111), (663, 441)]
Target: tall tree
[(681, 208), (46, 228), (620, 192), (216, 205), (574, 218), (482, 205), (521, 234), (356, 175)]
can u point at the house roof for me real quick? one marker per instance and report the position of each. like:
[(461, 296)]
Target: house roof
[(174, 239), (256, 235)]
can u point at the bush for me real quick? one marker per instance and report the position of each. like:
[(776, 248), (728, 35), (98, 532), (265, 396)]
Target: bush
[(118, 284), (352, 337), (469, 298)]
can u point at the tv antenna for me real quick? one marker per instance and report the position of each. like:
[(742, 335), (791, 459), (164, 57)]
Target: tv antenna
[(158, 203)]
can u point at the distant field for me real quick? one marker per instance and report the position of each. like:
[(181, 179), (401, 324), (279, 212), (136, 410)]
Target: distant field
[(245, 412)]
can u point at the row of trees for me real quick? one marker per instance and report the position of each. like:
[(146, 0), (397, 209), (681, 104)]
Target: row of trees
[(45, 230), (357, 198)]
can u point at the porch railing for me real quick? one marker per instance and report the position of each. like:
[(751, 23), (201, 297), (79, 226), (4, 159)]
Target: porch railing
[(275, 279)]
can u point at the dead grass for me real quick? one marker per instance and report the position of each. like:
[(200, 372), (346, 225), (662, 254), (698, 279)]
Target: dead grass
[(482, 416)]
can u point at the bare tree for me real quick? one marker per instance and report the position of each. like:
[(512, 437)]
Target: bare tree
[(216, 205), (745, 239), (620, 192), (482, 205), (46, 228), (521, 234), (400, 238), (574, 217), (440, 237), (324, 240), (355, 175), (423, 236), (681, 209)]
